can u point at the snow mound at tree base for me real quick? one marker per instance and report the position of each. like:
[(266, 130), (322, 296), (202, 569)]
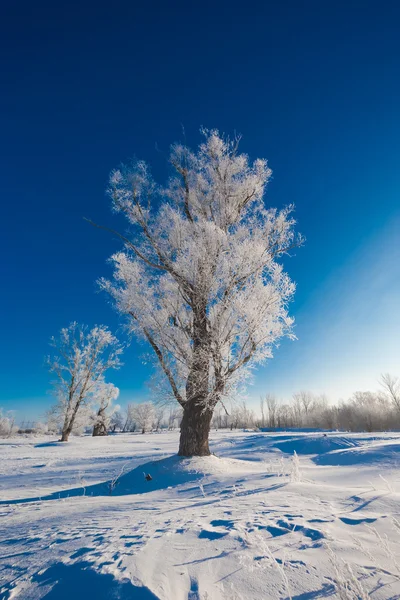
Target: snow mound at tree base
[(178, 471)]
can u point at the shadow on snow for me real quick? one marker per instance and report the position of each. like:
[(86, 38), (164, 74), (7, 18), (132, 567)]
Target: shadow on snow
[(388, 453), (79, 581), (165, 473)]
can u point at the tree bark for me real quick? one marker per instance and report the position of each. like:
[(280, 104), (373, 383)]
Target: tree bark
[(69, 422), (99, 429), (65, 435), (195, 429)]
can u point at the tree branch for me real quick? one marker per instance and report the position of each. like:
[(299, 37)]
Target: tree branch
[(129, 243), (163, 364)]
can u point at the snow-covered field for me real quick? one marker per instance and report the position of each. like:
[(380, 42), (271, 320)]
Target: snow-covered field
[(255, 521)]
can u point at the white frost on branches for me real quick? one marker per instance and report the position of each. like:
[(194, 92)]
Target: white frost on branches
[(103, 397), (199, 275), (144, 415), (82, 357), (6, 424)]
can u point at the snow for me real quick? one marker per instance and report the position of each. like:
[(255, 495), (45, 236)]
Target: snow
[(253, 521)]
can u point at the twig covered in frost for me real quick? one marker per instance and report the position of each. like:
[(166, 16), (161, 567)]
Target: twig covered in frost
[(281, 467), (280, 567), (364, 549), (376, 567), (388, 485), (295, 474), (396, 523), (256, 541), (383, 542), (113, 483), (345, 581)]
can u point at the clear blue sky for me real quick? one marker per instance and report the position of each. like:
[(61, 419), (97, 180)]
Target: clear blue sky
[(312, 86)]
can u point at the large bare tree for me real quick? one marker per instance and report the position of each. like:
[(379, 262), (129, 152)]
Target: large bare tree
[(199, 277)]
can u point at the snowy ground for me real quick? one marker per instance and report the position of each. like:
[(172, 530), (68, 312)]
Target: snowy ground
[(79, 520)]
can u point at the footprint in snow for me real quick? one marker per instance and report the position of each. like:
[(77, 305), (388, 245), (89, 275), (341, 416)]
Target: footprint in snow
[(222, 523), (283, 528), (274, 531), (211, 535), (313, 534)]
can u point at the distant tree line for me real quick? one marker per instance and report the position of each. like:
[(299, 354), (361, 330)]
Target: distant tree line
[(364, 411)]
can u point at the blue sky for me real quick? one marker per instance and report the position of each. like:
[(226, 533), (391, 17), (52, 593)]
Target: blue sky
[(314, 87)]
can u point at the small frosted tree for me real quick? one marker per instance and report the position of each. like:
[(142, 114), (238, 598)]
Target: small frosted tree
[(105, 394), (116, 421), (174, 416), (82, 357), (6, 424), (199, 277), (129, 418), (159, 414), (144, 415)]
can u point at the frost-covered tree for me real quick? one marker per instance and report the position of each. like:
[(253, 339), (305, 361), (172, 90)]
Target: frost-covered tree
[(144, 415), (82, 357), (129, 418), (199, 276), (174, 416), (105, 395), (159, 413), (54, 419), (116, 421), (6, 424)]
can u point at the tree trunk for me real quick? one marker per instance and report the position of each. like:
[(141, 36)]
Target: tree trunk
[(197, 415), (195, 429), (99, 429), (65, 435), (69, 423)]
